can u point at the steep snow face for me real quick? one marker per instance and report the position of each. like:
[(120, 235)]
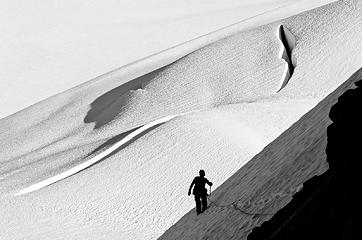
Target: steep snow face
[(267, 183), (325, 207), (227, 91)]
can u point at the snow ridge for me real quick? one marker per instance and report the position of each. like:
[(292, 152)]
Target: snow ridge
[(96, 158)]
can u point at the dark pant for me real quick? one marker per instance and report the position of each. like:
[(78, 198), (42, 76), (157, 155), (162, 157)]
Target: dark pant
[(200, 199)]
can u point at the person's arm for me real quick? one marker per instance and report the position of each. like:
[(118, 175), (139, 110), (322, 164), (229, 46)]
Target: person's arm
[(192, 184), (208, 182)]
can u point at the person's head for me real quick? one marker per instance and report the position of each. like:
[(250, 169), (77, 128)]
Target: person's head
[(202, 173)]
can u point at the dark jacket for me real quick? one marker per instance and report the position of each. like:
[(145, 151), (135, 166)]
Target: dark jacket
[(199, 188)]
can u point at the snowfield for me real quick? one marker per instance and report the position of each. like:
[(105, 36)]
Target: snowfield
[(49, 47), (113, 158)]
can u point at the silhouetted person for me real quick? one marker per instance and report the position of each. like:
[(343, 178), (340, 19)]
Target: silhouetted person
[(200, 191)]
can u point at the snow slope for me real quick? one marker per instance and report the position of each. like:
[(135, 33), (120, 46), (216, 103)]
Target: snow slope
[(49, 47), (232, 104), (325, 207), (269, 181)]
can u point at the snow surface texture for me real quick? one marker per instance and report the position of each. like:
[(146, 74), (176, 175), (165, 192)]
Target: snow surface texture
[(267, 183), (232, 89), (58, 45), (325, 207)]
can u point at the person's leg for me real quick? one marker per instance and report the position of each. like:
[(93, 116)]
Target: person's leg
[(204, 202), (198, 204)]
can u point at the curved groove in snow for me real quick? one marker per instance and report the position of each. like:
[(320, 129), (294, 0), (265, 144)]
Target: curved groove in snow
[(288, 41), (94, 159)]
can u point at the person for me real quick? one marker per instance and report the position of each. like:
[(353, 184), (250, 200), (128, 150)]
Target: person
[(200, 192)]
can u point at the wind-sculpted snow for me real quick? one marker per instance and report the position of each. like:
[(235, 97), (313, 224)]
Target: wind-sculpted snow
[(232, 70), (94, 159), (289, 42), (61, 52), (231, 99)]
